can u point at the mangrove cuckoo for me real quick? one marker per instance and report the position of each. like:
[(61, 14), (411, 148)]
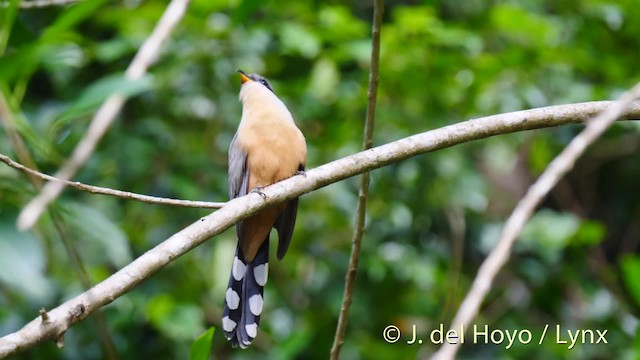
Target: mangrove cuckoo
[(268, 147)]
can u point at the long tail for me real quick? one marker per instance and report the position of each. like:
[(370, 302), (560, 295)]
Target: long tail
[(244, 298)]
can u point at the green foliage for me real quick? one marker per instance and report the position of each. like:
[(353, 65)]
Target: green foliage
[(631, 270), (23, 262), (201, 348), (431, 219), (99, 91)]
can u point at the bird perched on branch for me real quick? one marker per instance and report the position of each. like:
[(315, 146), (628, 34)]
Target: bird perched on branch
[(268, 147)]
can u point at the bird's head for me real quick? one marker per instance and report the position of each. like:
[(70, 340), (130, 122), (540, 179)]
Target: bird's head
[(254, 78), (259, 99)]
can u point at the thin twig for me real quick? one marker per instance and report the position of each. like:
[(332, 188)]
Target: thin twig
[(523, 211), (40, 3), (105, 114), (112, 192), (361, 210), (78, 308)]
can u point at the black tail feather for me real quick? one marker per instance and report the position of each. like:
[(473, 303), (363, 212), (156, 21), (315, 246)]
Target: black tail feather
[(244, 297)]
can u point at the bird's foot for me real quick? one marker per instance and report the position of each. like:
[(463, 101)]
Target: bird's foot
[(258, 190), (301, 172)]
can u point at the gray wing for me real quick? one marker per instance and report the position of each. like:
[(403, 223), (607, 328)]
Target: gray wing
[(238, 173), (238, 177), (285, 223)]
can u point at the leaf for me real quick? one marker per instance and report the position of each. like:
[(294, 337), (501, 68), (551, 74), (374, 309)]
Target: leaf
[(630, 265), (100, 90), (177, 321), (245, 9), (590, 233), (540, 154), (548, 233), (11, 65), (99, 234), (525, 27), (23, 263), (298, 39), (7, 17), (47, 46), (108, 51), (70, 17), (325, 78), (201, 348)]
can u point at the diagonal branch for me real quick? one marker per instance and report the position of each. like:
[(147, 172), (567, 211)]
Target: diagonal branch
[(112, 192), (78, 308), (105, 114), (361, 211), (525, 208)]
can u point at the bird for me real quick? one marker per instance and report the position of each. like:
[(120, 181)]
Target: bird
[(268, 147)]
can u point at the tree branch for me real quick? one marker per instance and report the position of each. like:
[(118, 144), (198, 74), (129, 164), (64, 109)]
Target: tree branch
[(523, 211), (105, 114), (40, 3), (78, 308), (361, 210), (111, 192)]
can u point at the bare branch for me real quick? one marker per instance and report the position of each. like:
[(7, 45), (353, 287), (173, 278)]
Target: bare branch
[(112, 192), (105, 114), (361, 210), (40, 3), (524, 209), (78, 308)]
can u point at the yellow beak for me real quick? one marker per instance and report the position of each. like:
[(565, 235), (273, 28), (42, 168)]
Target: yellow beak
[(244, 78)]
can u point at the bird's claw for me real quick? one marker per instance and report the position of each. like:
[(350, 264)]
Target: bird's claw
[(258, 190), (301, 172)]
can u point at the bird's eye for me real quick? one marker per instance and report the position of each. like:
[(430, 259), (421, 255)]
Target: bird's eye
[(264, 82)]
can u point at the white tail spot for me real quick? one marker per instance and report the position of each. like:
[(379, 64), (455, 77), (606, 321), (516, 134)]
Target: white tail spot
[(255, 304), (252, 330), (227, 324), (261, 273), (233, 299), (239, 269)]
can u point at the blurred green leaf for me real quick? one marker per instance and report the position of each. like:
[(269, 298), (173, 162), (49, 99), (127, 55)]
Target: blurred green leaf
[(23, 263), (549, 232), (201, 348), (99, 91), (244, 10), (589, 233), (299, 40), (7, 17), (178, 321), (12, 65), (325, 78), (73, 15), (540, 154), (630, 267), (108, 51), (101, 238), (525, 27)]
